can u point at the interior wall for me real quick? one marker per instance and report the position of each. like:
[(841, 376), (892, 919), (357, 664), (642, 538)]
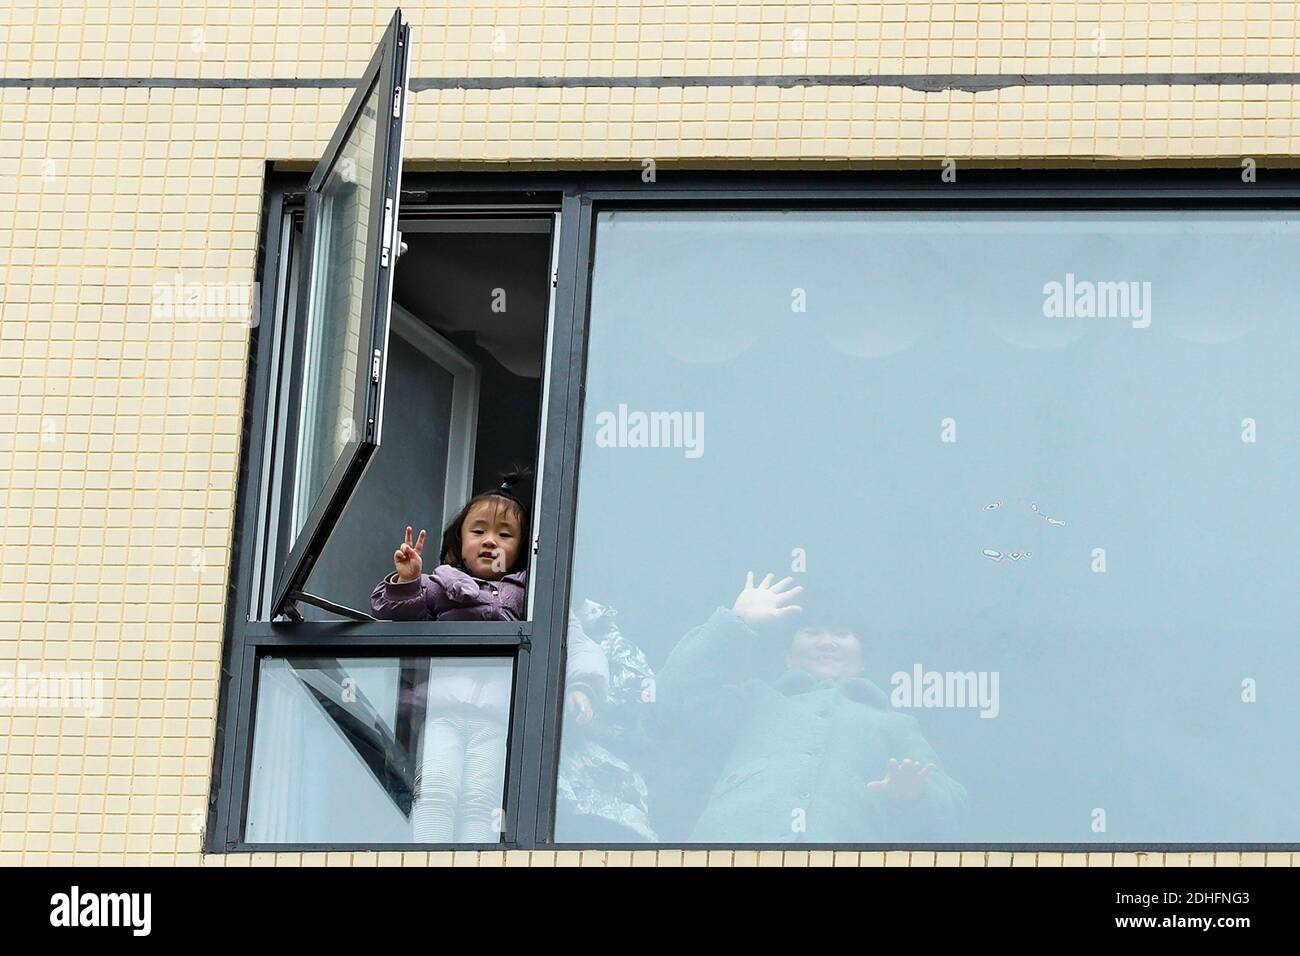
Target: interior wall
[(509, 417), (404, 484), (489, 294)]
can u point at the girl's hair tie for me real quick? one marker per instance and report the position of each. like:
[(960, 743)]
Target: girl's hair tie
[(510, 479)]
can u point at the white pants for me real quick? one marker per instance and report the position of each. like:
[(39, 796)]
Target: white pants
[(459, 785)]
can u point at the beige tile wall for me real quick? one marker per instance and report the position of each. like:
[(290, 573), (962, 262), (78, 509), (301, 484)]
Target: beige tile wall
[(321, 38), (120, 399)]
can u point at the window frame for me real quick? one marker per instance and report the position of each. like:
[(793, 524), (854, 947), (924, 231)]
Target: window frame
[(536, 707), (387, 70), (262, 510)]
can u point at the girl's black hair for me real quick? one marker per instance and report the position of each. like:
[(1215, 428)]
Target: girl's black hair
[(508, 492)]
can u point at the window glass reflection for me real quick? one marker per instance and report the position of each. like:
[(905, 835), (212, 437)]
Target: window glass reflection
[(362, 750), (928, 527), (329, 422)]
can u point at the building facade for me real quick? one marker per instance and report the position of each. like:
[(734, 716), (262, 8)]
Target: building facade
[(168, 229)]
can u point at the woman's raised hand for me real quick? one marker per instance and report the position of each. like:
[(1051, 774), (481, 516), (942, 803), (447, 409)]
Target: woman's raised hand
[(765, 603), (406, 559), (903, 781)]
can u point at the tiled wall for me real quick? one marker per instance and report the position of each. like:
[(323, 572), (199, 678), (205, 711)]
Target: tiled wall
[(325, 38), (120, 399)]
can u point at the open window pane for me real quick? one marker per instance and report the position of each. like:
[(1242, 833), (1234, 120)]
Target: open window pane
[(379, 750), (329, 423), (1035, 473), (341, 336)]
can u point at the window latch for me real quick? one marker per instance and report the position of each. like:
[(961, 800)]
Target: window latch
[(386, 240), (374, 367), (397, 102)]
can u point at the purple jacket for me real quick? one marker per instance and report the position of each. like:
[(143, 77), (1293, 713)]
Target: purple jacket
[(451, 595)]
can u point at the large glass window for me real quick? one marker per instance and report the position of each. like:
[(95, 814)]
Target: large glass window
[(938, 526)]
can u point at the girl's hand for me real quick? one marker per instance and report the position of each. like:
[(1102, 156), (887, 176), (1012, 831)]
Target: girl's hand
[(579, 706), (406, 559), (764, 604), (903, 781)]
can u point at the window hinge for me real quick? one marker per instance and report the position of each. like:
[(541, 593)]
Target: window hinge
[(374, 367), (397, 102)]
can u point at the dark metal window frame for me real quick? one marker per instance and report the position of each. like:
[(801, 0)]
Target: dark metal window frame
[(385, 80), (536, 645)]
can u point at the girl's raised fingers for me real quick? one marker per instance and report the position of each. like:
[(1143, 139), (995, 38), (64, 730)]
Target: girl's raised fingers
[(419, 543), (788, 609), (408, 534), (749, 580), (782, 583), (767, 580)]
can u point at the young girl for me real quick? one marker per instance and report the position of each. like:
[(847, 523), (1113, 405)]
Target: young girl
[(483, 577)]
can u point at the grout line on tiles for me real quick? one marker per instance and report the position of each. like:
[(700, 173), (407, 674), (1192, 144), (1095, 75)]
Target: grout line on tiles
[(927, 83)]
